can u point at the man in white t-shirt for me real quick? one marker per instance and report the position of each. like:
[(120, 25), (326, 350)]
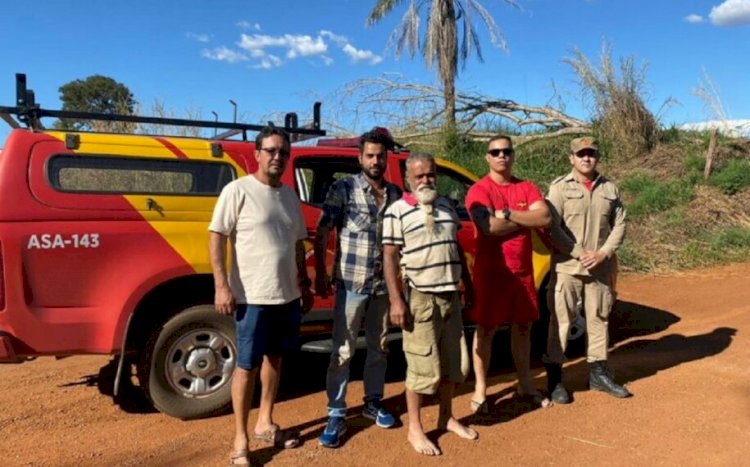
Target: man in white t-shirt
[(420, 235), (267, 287)]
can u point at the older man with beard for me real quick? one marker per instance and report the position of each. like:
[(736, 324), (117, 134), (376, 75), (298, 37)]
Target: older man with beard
[(421, 229)]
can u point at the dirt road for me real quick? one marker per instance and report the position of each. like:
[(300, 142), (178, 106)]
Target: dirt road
[(680, 342)]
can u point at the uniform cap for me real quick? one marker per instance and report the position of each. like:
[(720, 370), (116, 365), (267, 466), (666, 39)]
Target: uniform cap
[(587, 142)]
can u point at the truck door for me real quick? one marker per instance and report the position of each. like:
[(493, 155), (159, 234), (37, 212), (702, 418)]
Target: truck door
[(313, 177)]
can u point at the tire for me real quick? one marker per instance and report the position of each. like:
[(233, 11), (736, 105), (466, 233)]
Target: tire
[(188, 364)]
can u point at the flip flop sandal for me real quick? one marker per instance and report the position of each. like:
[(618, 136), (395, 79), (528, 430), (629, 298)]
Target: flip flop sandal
[(480, 408), (241, 457), (278, 438)]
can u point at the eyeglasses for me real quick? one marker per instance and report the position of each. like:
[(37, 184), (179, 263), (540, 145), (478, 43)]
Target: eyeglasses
[(504, 151), (276, 152), (587, 153)]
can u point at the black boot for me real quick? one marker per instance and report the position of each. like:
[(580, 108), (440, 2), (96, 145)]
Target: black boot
[(555, 388), (602, 379)]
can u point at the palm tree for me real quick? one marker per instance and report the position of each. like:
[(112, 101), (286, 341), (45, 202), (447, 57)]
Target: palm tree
[(441, 40)]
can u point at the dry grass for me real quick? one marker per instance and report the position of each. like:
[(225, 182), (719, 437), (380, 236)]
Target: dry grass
[(621, 119)]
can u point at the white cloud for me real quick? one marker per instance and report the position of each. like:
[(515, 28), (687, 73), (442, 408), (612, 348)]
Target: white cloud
[(248, 25), (694, 19), (297, 45), (341, 41), (731, 13), (305, 46), (198, 37), (258, 47), (358, 55), (223, 54), (268, 62)]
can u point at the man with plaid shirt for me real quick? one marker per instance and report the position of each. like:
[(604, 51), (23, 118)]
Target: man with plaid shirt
[(355, 207)]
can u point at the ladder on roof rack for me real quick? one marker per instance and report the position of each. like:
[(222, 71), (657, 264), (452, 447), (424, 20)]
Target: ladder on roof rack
[(30, 114)]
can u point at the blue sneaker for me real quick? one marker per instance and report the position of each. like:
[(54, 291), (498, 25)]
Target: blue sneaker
[(375, 411), (333, 432)]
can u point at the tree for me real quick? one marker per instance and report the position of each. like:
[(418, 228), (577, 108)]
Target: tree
[(441, 40), (96, 93)]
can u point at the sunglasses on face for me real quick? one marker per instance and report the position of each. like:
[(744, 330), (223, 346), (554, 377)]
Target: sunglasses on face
[(504, 151), (276, 152), (589, 153)]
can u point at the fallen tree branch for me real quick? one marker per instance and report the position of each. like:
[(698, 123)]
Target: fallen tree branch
[(414, 112)]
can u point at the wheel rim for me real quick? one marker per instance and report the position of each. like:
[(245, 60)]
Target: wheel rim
[(200, 362), (577, 328)]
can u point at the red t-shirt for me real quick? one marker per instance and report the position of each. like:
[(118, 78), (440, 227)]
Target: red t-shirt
[(512, 251)]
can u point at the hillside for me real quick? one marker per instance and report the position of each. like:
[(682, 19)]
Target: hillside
[(676, 218)]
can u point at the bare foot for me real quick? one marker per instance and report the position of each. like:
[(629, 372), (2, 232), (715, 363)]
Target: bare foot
[(423, 445), (462, 431)]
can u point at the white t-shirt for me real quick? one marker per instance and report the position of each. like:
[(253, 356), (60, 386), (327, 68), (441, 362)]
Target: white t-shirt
[(264, 224)]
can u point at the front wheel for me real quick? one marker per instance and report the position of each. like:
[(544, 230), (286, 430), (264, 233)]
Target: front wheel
[(188, 364)]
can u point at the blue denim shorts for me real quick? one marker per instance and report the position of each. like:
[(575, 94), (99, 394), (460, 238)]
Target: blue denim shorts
[(266, 330)]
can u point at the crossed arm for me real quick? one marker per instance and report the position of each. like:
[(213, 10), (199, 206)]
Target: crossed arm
[(493, 223)]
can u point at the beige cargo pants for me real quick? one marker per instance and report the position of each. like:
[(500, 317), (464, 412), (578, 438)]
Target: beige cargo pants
[(565, 293)]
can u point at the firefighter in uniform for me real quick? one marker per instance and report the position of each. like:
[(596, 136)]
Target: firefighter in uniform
[(588, 226)]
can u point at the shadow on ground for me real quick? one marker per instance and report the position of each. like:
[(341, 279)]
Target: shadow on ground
[(305, 373)]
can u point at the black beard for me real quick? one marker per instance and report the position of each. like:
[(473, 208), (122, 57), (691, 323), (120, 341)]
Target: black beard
[(374, 177)]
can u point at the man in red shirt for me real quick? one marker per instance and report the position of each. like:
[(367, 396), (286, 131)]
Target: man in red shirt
[(504, 209)]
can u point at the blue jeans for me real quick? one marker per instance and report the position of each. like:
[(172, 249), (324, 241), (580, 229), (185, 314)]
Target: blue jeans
[(348, 312)]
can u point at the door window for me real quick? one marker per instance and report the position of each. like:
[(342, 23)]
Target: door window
[(315, 175)]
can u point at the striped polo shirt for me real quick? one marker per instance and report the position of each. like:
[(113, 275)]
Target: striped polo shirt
[(430, 260)]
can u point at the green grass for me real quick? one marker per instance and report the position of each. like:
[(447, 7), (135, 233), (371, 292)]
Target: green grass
[(542, 161), (673, 238), (733, 177), (629, 258), (648, 195), (695, 163), (730, 244), (539, 161)]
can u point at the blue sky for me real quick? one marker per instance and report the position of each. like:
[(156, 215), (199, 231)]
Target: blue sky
[(281, 55)]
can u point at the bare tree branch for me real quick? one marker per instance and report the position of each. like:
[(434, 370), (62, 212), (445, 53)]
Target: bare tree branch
[(414, 112)]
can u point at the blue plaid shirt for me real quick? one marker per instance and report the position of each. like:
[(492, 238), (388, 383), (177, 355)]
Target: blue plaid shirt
[(351, 209)]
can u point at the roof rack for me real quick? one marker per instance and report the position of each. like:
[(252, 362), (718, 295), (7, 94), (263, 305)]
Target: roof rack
[(30, 114), (354, 141)]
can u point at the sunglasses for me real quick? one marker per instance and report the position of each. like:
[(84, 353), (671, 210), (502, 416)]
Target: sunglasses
[(276, 152), (587, 153), (504, 151)]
